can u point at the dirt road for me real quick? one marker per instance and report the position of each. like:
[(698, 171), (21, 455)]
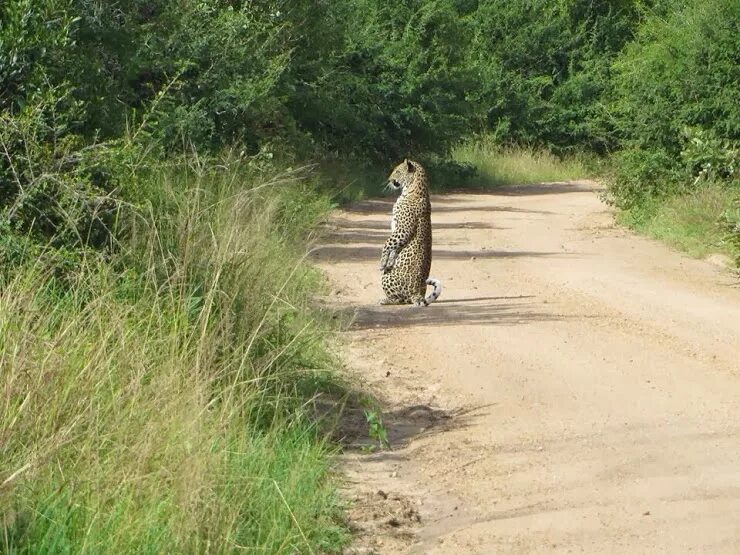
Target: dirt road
[(576, 389)]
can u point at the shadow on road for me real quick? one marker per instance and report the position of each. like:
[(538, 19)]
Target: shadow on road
[(555, 188), (402, 425), (445, 207), (351, 253), (342, 226), (501, 311)]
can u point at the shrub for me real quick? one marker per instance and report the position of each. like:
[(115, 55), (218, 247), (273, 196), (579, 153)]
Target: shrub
[(707, 157), (730, 222), (676, 99), (543, 68), (49, 188)]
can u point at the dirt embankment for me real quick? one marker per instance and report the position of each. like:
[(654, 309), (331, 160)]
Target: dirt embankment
[(576, 388)]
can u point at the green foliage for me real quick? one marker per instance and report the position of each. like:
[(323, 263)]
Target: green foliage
[(226, 64), (49, 187), (641, 176), (710, 158), (730, 224), (155, 401), (400, 84), (34, 35), (676, 98), (450, 172), (700, 221), (543, 67), (376, 430)]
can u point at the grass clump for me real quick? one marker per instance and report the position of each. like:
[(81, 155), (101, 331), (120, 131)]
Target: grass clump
[(154, 401), (511, 165), (699, 222)]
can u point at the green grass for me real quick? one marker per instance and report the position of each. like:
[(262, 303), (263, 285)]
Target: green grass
[(513, 165), (697, 222), (154, 402)]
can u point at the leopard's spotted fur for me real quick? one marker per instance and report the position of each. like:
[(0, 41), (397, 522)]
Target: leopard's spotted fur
[(407, 254)]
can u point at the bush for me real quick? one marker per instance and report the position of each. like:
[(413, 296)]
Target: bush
[(707, 157), (49, 187), (730, 222), (543, 68), (642, 175), (676, 100)]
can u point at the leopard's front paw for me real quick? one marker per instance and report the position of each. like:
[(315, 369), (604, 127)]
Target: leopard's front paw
[(388, 260)]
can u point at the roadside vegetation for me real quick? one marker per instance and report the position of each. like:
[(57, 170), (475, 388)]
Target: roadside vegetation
[(154, 397), (701, 222), (163, 168), (508, 165)]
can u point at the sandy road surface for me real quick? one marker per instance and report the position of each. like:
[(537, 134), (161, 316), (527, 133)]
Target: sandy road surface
[(575, 390)]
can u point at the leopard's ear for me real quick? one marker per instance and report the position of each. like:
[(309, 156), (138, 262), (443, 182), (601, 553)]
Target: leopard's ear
[(410, 165)]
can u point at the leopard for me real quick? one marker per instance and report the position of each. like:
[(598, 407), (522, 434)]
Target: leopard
[(406, 258)]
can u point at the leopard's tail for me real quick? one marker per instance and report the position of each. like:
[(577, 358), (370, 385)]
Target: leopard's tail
[(436, 290)]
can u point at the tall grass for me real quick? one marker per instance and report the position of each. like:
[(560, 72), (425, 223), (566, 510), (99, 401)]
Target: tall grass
[(154, 403), (514, 165), (698, 222)]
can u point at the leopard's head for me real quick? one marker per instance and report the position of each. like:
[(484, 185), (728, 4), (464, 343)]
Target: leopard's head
[(402, 175)]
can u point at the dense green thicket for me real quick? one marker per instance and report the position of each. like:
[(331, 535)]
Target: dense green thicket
[(544, 67), (87, 90), (675, 109), (676, 100)]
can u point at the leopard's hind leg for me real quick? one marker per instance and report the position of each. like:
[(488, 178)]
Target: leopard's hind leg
[(392, 289)]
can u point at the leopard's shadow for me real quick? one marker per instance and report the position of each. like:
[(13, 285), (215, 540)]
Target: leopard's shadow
[(500, 311)]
